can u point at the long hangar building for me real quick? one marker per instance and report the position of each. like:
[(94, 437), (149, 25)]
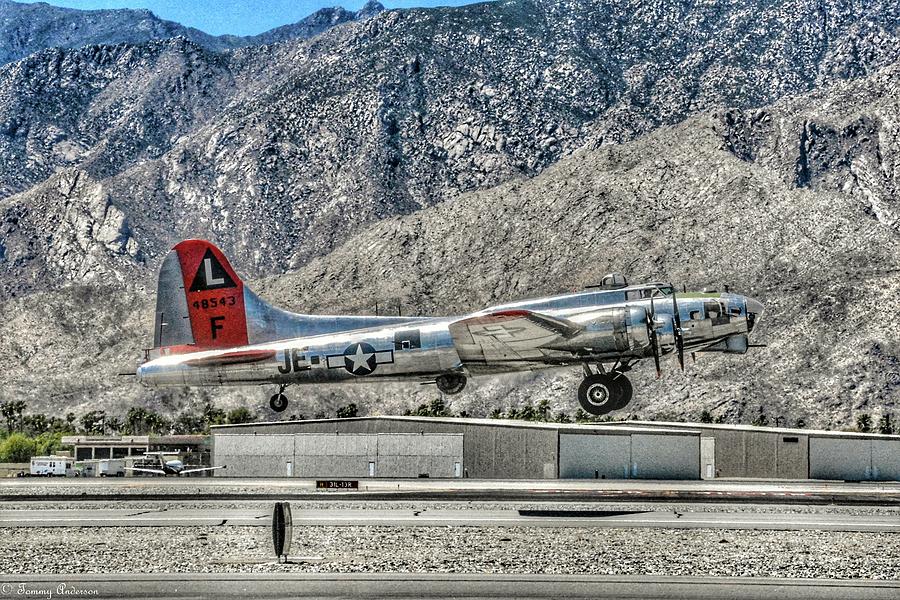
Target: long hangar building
[(398, 447)]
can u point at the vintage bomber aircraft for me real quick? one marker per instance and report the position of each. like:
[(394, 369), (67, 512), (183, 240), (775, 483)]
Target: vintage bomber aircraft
[(211, 329)]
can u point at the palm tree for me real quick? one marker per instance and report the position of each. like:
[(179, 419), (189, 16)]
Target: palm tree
[(9, 413), (19, 408)]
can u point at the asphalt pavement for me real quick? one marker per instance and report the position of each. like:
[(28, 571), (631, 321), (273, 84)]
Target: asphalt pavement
[(211, 514), (225, 488), (413, 585)]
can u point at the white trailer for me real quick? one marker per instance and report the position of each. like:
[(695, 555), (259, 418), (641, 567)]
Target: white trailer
[(111, 467), (51, 466)]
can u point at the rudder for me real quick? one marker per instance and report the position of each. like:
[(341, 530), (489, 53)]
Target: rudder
[(200, 301)]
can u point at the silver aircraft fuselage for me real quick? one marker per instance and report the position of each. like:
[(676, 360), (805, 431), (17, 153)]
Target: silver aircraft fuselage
[(613, 329), (211, 329)]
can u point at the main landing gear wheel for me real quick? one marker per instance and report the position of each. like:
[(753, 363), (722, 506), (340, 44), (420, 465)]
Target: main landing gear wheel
[(603, 393), (451, 383), (626, 391), (278, 402)]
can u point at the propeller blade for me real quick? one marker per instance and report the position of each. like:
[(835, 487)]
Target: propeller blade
[(679, 339), (654, 340)]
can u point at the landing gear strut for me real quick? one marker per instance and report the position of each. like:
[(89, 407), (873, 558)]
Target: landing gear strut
[(602, 393), (279, 401)]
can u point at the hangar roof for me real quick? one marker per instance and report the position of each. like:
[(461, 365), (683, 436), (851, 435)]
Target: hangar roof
[(658, 427), (753, 428), (645, 427)]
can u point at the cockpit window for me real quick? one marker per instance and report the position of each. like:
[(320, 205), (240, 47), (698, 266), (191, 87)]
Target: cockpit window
[(642, 294), (715, 311), (663, 290), (648, 292)]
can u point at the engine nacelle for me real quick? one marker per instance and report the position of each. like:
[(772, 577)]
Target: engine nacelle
[(733, 344), (614, 331)]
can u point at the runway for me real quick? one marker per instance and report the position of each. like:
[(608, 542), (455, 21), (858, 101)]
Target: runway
[(224, 488), (469, 517), (431, 586)]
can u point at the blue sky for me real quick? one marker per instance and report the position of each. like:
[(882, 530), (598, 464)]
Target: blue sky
[(239, 17)]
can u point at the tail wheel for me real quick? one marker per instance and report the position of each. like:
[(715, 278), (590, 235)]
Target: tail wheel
[(278, 402), (599, 394)]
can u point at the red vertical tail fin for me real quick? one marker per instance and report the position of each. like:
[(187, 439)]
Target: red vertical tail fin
[(200, 300)]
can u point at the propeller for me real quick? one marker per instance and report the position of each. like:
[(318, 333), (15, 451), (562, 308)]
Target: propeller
[(679, 338), (651, 333)]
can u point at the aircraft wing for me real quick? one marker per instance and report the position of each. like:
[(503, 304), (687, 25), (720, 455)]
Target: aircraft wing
[(157, 471), (508, 335), (197, 470)]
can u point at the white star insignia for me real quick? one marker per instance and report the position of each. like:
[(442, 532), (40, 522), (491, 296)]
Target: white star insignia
[(360, 359)]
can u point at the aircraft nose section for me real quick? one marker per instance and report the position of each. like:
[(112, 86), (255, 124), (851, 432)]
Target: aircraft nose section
[(755, 310)]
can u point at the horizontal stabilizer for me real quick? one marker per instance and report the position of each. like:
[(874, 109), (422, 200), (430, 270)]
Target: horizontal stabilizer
[(236, 357)]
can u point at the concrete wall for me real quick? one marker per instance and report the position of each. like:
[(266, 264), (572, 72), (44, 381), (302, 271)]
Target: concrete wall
[(331, 455), (12, 469), (637, 455), (411, 455), (322, 455), (762, 452), (792, 457), (854, 459), (582, 456), (253, 456), (510, 452), (759, 454), (494, 451), (886, 460), (665, 456), (503, 450)]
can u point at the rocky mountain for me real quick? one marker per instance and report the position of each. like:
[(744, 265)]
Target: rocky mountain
[(793, 203), (29, 28), (451, 158), (305, 143), (321, 20)]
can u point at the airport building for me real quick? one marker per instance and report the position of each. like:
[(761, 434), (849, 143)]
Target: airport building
[(92, 447), (392, 447), (778, 453), (400, 447)]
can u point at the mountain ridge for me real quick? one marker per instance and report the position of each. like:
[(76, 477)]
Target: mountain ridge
[(314, 139), (819, 278), (26, 28), (453, 158)]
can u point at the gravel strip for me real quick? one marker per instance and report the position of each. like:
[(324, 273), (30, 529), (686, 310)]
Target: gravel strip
[(706, 552)]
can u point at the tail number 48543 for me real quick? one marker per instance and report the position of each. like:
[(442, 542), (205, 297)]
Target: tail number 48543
[(215, 302)]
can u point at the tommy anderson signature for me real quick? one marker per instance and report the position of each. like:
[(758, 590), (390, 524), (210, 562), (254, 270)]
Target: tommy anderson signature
[(46, 590)]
